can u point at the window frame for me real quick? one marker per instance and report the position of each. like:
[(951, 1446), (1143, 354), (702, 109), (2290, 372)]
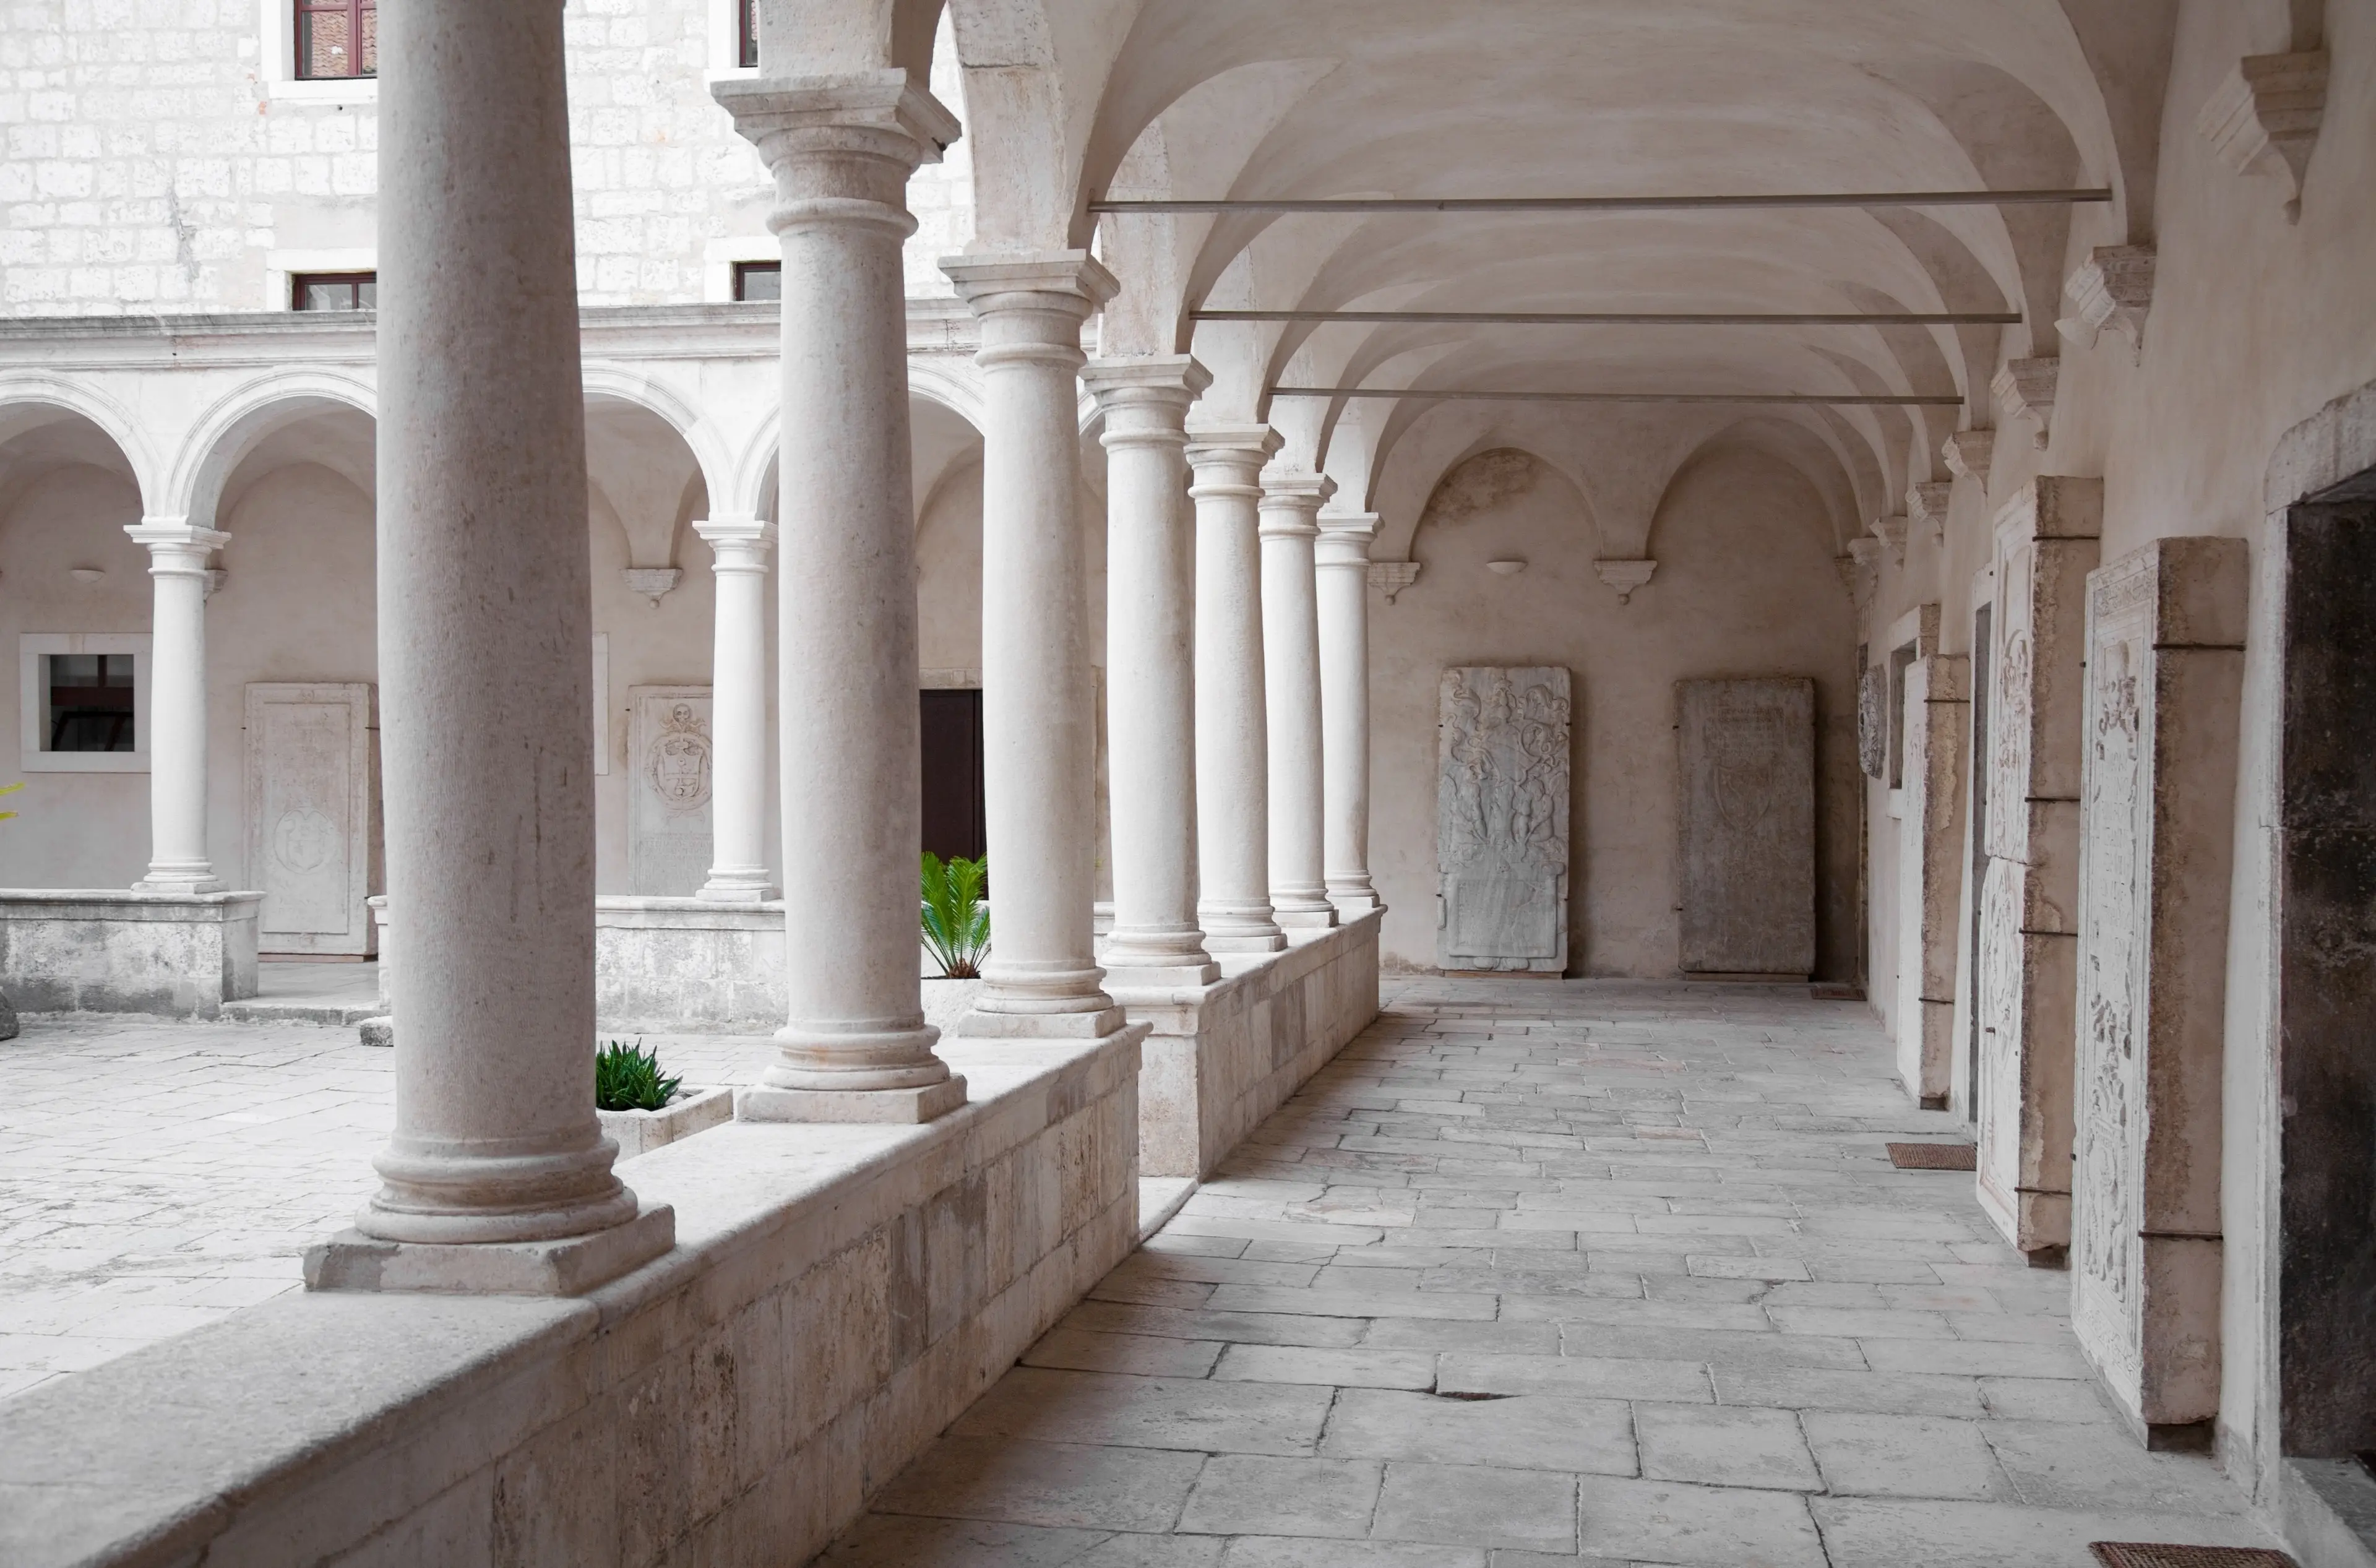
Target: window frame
[(300, 9), (33, 650), (300, 281), (746, 34), (743, 269)]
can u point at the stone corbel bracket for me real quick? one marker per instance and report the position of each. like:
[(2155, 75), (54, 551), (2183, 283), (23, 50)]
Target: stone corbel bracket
[(2114, 288), (2024, 389), (1390, 577), (1926, 505), (1625, 576), (2264, 119), (1891, 531), (652, 582), (1967, 454), (1863, 569)]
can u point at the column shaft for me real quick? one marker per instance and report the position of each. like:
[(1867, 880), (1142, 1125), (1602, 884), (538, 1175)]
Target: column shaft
[(176, 741), (738, 710), (1038, 724), (855, 1046), (1299, 889), (1151, 694), (1341, 561), (1232, 734)]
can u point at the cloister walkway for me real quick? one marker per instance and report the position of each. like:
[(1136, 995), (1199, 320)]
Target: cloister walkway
[(1536, 1270)]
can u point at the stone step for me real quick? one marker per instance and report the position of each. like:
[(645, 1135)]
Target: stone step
[(273, 1010)]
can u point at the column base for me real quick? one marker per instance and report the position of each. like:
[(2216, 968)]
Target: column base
[(181, 886), (875, 1107), (1272, 941), (1295, 919), (1134, 977), (570, 1266), (981, 1024), (735, 890)]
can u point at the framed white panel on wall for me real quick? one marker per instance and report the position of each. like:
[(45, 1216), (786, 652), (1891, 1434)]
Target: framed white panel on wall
[(92, 722)]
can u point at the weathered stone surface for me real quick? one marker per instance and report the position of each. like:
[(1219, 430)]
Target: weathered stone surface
[(104, 951), (312, 815), (1748, 825), (688, 964), (670, 778), (1929, 860), (1872, 720), (2046, 544), (1502, 818)]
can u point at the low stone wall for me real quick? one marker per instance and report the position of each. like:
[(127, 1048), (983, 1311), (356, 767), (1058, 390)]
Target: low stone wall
[(1220, 1059), (688, 965), (104, 950), (837, 1296)]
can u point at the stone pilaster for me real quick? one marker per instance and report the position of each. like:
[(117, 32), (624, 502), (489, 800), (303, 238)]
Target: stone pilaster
[(176, 741), (738, 710), (1937, 716), (1290, 507), (1341, 564)]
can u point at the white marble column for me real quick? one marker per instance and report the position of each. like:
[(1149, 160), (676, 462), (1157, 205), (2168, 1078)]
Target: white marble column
[(1290, 503), (1151, 683), (1341, 560), (1038, 719), (1232, 734), (855, 1046), (497, 1176), (738, 710), (176, 741)]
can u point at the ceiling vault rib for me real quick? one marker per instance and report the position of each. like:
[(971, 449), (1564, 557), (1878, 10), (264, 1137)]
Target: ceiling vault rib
[(1842, 400), (1617, 203), (1627, 318)]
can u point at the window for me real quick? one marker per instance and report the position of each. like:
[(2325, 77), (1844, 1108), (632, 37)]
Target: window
[(87, 702), (746, 44), (333, 291), (336, 38), (83, 703), (758, 280)]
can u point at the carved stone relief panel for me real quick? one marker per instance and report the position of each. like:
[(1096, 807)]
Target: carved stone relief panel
[(1872, 720), (2164, 679), (1747, 860), (2046, 544), (1502, 818), (667, 811), (313, 815), (1930, 856)]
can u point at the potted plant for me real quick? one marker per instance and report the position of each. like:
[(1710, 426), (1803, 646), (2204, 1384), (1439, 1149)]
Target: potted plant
[(643, 1108), (955, 919)]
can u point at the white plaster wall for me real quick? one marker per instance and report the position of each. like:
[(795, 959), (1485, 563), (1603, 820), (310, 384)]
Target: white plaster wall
[(1745, 586)]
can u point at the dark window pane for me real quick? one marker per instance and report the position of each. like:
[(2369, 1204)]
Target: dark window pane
[(328, 44), (90, 702), (749, 52), (758, 280), (367, 294), (333, 291)]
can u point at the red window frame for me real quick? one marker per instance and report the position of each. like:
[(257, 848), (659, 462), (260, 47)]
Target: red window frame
[(303, 283), (743, 270), (361, 18)]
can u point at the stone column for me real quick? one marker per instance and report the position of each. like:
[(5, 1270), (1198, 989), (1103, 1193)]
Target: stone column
[(855, 1046), (497, 1176), (1232, 734), (1037, 717), (1150, 692), (1290, 502), (738, 710), (176, 741), (1341, 559)]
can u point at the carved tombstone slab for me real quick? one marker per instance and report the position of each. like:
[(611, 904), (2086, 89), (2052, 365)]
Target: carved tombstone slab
[(2046, 544), (1502, 818), (1748, 825), (1930, 865), (669, 786), (313, 815), (1872, 720), (2165, 681)]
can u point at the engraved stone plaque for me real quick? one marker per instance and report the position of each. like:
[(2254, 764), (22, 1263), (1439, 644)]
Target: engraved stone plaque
[(1502, 818), (668, 812), (312, 805), (1748, 825), (2165, 672)]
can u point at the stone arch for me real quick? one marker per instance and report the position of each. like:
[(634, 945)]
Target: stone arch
[(1786, 442), (1489, 473), (230, 430), (29, 399), (700, 433)]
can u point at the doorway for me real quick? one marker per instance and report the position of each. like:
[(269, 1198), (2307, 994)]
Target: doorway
[(950, 728)]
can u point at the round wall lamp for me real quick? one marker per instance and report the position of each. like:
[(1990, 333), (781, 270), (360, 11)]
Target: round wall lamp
[(1506, 568), (86, 574)]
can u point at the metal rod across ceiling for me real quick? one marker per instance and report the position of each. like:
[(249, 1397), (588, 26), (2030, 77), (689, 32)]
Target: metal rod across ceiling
[(1628, 318), (1617, 203), (1942, 400)]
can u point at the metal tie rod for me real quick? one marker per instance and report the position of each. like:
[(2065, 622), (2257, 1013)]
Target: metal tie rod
[(1944, 400), (1628, 318), (1616, 204)]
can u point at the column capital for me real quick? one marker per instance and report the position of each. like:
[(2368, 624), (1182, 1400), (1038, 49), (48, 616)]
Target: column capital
[(840, 147), (1227, 459), (740, 544), (1032, 304), (1345, 539), (1291, 502), (1145, 400), (176, 545)]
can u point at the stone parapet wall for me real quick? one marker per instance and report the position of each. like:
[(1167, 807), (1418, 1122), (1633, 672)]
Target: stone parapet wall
[(837, 1296), (1221, 1058), (100, 950)]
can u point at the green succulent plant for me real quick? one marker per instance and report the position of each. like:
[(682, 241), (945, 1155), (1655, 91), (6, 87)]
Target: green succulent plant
[(628, 1078), (957, 921)]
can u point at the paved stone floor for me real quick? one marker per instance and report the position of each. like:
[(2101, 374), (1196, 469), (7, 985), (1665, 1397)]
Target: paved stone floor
[(1539, 1271)]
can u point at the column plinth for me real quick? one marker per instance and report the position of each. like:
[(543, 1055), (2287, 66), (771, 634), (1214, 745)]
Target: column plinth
[(176, 741), (1039, 723), (855, 1046), (1232, 734), (1151, 698), (1290, 502), (737, 711), (1341, 564)]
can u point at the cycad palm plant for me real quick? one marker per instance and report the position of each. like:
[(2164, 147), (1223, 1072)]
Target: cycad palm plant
[(957, 921)]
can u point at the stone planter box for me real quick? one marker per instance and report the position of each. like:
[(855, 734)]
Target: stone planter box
[(641, 1132)]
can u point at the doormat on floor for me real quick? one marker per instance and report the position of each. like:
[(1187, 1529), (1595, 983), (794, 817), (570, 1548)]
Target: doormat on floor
[(2143, 1554), (1934, 1157)]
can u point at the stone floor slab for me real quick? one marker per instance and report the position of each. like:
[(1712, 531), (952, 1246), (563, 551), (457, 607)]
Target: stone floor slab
[(1534, 1432), (1239, 1494), (1724, 1447), (1473, 1505)]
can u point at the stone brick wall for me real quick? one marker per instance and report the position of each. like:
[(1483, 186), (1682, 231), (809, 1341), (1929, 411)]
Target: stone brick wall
[(155, 158)]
